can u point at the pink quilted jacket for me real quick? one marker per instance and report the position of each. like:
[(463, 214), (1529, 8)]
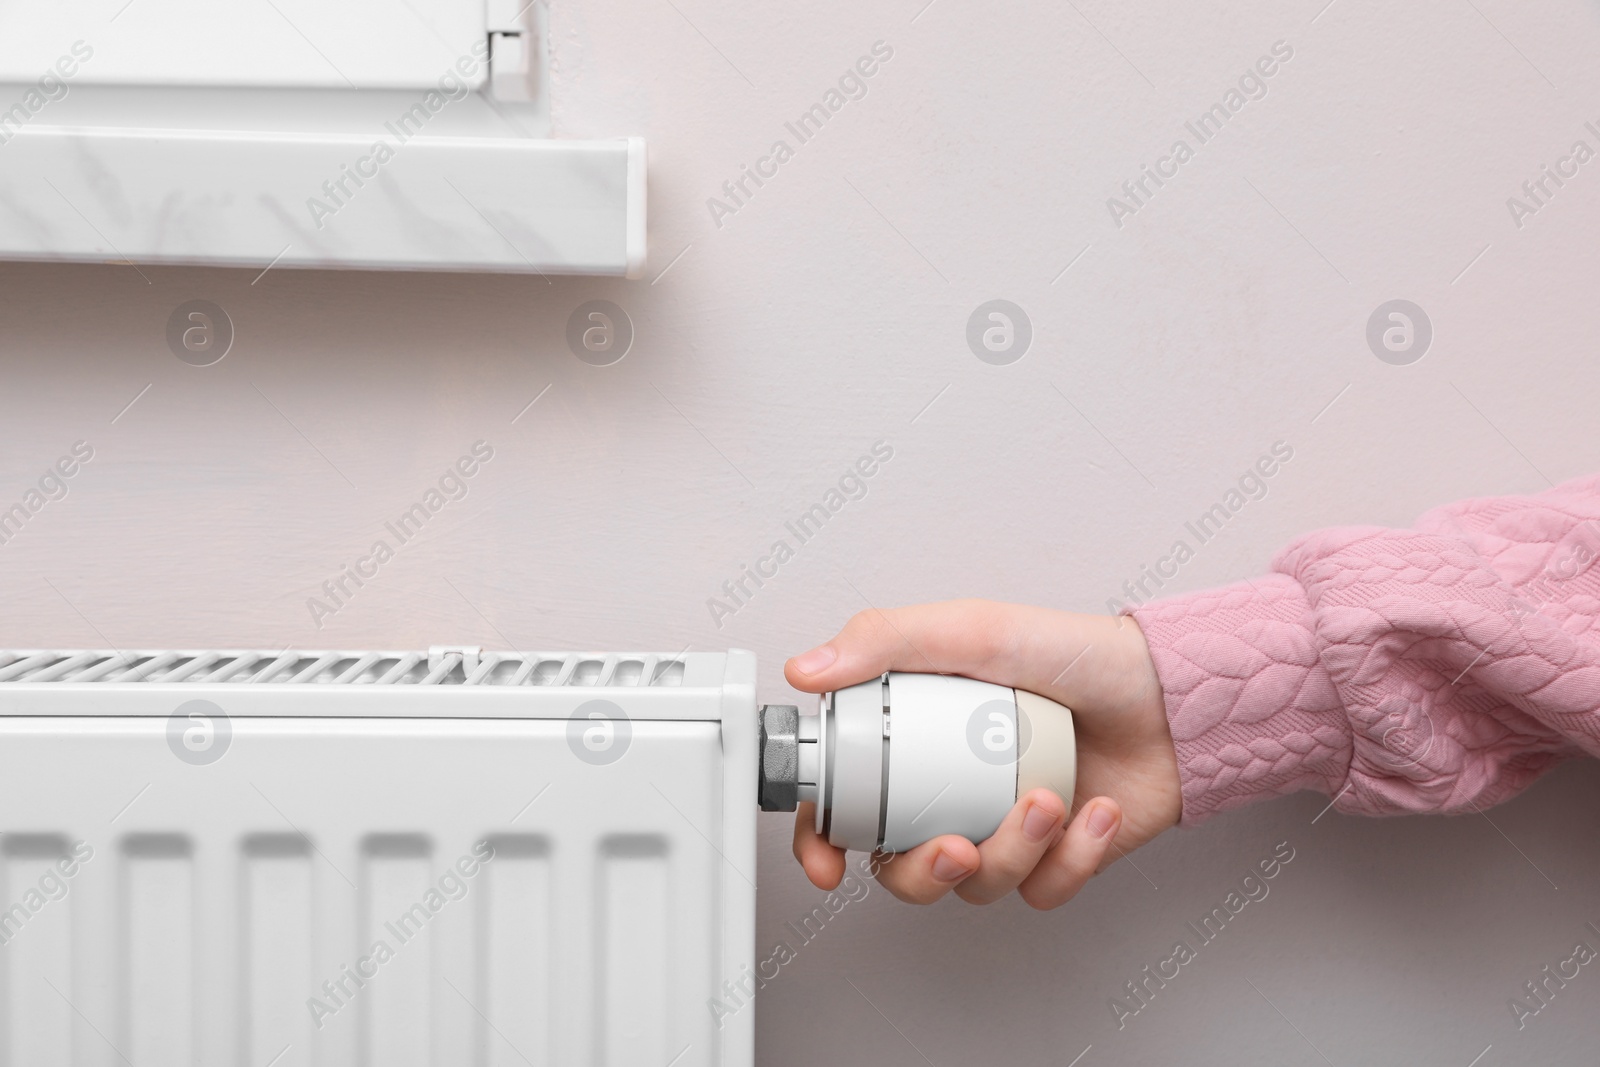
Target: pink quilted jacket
[(1438, 669)]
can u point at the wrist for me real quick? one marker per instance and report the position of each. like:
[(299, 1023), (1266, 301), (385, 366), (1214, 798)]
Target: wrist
[(1147, 702)]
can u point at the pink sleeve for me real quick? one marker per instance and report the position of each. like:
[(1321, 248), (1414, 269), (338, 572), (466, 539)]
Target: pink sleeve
[(1437, 669)]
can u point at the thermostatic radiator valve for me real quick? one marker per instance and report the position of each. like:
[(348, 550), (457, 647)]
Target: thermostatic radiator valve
[(904, 758)]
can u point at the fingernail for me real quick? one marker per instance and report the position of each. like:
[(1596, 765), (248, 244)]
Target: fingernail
[(816, 660), (1037, 823), (1101, 820), (947, 868)]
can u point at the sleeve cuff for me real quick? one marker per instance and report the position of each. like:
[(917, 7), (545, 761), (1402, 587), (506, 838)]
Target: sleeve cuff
[(1254, 713)]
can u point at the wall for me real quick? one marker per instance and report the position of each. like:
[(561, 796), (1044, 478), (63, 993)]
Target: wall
[(776, 344)]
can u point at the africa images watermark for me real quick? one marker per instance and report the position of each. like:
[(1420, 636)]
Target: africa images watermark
[(52, 885), (852, 485), (737, 993), (1551, 980), (1252, 85), (1252, 889), (50, 88), (852, 85), (52, 486), (1538, 192), (453, 884), (1573, 555), (1252, 485), (338, 591), (337, 193)]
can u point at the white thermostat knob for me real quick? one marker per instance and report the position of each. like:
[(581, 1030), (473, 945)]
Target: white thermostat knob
[(904, 758)]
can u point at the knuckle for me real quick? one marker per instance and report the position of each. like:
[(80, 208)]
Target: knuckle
[(915, 894), (985, 892), (898, 883), (1011, 866), (1072, 880), (868, 622), (1037, 900), (883, 867)]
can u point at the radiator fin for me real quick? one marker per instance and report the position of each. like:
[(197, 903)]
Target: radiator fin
[(158, 949), (37, 952), (636, 956), (398, 1013), (514, 941), (278, 932)]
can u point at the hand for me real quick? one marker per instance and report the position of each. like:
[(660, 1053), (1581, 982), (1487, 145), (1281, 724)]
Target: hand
[(1098, 666)]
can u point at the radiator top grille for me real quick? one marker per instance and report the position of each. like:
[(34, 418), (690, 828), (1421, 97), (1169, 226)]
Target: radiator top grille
[(453, 666)]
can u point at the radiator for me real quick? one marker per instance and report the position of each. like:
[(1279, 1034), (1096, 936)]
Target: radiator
[(277, 859)]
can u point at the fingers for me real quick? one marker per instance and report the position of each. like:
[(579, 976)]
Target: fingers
[(1031, 852), (979, 874), (920, 876), (1012, 851), (926, 873), (956, 637), (1074, 859), (823, 863), (1070, 658)]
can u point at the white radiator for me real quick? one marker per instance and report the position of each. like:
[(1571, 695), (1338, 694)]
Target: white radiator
[(384, 858)]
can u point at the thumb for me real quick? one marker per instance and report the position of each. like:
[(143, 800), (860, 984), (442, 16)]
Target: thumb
[(955, 637), (1029, 648)]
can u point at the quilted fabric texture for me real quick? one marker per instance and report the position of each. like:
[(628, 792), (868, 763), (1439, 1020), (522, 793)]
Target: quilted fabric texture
[(1437, 669)]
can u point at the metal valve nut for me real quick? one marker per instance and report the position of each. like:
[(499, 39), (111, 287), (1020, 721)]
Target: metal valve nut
[(780, 757)]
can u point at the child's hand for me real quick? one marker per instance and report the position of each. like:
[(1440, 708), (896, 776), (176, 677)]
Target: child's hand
[(1096, 665)]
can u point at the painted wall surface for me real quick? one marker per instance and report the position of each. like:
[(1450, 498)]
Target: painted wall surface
[(780, 335)]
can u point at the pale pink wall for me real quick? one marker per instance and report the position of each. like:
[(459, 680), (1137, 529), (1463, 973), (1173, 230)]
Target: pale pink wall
[(824, 316)]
